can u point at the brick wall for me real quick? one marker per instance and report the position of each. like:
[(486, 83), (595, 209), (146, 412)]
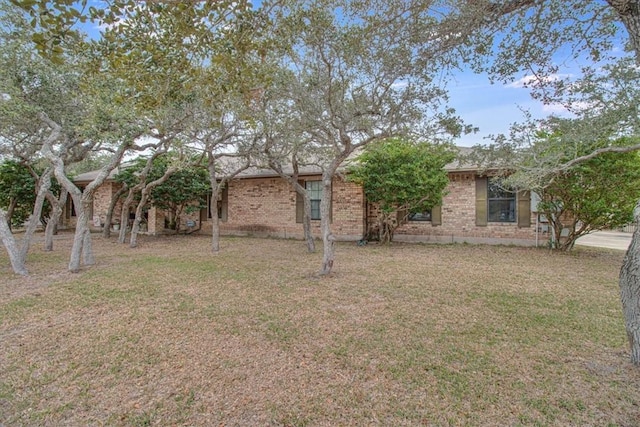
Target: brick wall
[(267, 207), (101, 200), (458, 220)]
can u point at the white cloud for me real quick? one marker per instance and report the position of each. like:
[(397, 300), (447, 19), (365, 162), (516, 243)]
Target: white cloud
[(533, 80), (567, 110), (554, 109), (400, 84)]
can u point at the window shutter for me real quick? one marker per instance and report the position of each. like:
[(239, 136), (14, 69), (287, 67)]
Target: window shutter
[(299, 205), (481, 201), (224, 204), (524, 209), (436, 215), (204, 212)]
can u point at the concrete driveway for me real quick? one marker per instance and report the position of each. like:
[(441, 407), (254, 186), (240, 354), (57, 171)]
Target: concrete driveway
[(606, 239)]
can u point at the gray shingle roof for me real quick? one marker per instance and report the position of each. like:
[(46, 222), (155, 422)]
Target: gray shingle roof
[(258, 172)]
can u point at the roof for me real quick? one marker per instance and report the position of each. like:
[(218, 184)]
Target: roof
[(460, 164), (91, 175), (457, 165)]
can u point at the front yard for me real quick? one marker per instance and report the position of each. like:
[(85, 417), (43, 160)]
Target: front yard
[(438, 335)]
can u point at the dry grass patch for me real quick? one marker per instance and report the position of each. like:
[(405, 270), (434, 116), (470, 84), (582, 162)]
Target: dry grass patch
[(169, 334)]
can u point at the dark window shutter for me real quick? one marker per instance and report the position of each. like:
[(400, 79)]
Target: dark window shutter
[(481, 201), (204, 212), (299, 205), (224, 204), (524, 209), (436, 215)]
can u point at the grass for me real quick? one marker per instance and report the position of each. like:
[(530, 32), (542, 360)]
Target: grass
[(438, 335)]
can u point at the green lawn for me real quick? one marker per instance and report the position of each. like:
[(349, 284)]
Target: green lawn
[(437, 335)]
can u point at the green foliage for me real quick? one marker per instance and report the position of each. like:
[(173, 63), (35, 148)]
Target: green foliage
[(18, 188), (596, 194), (400, 175), (184, 191), (53, 23)]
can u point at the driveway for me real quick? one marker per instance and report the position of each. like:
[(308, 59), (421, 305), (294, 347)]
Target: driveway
[(606, 239)]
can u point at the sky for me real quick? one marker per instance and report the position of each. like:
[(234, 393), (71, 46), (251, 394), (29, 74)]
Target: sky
[(492, 107)]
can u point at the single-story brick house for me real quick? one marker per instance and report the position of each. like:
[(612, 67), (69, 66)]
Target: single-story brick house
[(259, 202)]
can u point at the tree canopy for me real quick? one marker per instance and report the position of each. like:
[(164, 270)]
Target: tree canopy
[(184, 191), (17, 191), (597, 194), (402, 177)]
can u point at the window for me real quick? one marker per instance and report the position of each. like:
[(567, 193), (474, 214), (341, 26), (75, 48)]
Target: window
[(71, 211), (314, 188), (420, 216), (494, 204), (223, 204), (501, 204)]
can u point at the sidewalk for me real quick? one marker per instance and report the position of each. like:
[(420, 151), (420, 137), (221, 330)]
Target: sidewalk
[(606, 239)]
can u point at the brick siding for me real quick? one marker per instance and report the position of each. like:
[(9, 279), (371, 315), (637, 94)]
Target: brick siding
[(459, 220), (101, 200), (267, 207)]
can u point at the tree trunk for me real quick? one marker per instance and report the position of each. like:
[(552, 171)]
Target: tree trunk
[(54, 219), (306, 224), (306, 206), (87, 247), (82, 250), (44, 185), (629, 13), (300, 190), (9, 242), (328, 239), (135, 227), (124, 215), (385, 233), (81, 199), (78, 239), (216, 188), (630, 290), (9, 214), (144, 197), (106, 231), (215, 227)]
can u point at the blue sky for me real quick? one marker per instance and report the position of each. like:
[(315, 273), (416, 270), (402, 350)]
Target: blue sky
[(494, 107), (490, 107)]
